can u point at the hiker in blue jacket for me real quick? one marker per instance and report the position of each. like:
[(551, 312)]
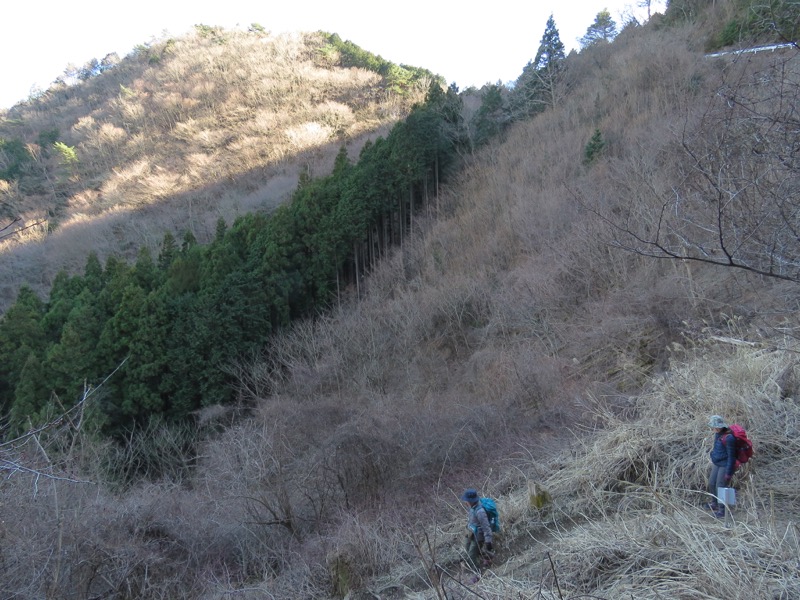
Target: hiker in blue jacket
[(479, 533), (723, 462)]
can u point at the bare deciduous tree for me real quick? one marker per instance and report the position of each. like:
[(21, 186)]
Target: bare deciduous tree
[(735, 201)]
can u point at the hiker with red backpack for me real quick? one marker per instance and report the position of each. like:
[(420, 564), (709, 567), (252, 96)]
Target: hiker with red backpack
[(478, 542), (731, 448)]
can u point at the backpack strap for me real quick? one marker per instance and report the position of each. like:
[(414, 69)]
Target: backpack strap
[(725, 439)]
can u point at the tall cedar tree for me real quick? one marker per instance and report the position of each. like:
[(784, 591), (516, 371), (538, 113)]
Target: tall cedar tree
[(30, 395), (537, 87), (20, 334), (603, 30)]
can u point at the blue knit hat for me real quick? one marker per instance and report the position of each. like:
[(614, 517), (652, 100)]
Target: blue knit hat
[(470, 496)]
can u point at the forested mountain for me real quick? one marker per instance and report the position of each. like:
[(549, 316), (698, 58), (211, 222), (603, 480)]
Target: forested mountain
[(544, 296), (178, 134), (178, 319)]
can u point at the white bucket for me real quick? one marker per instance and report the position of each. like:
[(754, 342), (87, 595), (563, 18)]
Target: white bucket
[(726, 496)]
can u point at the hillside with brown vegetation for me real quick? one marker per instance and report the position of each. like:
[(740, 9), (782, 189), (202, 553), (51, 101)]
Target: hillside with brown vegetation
[(180, 133), (556, 334)]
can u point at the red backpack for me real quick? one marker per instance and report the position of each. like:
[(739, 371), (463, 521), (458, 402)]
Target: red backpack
[(744, 447)]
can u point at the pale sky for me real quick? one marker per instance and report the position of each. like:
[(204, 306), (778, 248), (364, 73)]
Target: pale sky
[(466, 43)]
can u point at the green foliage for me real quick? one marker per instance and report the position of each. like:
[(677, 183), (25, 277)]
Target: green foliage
[(30, 395), (777, 19), (216, 34), (140, 50), (398, 77), (594, 148), (492, 117), (89, 70), (63, 295), (185, 271), (154, 54), (760, 21), (47, 138), (169, 250), (14, 158), (729, 35), (352, 55), (452, 132), (145, 273), (93, 273), (67, 154), (189, 241), (550, 55), (256, 28), (683, 11), (21, 334), (74, 359)]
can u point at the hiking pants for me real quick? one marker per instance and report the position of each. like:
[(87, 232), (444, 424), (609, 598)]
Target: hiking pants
[(474, 550), (716, 478)]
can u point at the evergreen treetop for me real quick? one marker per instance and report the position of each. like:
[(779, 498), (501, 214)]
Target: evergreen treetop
[(551, 48), (604, 29), (537, 86)]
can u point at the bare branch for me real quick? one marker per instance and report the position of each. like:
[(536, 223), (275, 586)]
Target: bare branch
[(737, 201), (6, 231), (11, 451)]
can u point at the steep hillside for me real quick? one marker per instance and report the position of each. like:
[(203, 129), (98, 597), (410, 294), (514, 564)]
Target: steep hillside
[(178, 134), (556, 331), (531, 344)]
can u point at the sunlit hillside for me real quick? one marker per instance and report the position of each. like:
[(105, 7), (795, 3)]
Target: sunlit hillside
[(555, 330), (176, 135)]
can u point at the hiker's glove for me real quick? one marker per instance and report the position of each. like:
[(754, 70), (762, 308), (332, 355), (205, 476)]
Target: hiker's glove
[(489, 547)]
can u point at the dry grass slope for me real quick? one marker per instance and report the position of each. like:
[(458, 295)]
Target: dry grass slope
[(626, 517)]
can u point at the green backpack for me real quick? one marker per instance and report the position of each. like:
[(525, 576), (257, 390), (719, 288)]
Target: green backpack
[(490, 507)]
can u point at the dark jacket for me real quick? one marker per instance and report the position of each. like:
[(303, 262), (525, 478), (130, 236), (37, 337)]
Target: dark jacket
[(723, 454)]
